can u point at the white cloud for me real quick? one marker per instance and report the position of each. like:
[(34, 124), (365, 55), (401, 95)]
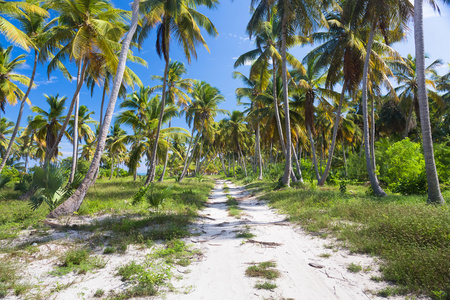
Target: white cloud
[(52, 79)]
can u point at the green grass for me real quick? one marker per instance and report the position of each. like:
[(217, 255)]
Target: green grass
[(233, 207), (265, 286), (411, 237), (78, 260), (263, 270), (354, 268)]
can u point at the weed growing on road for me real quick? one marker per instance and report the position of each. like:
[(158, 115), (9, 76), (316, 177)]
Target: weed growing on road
[(78, 260), (265, 286), (354, 268), (264, 270)]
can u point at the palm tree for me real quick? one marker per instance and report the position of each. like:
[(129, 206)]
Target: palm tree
[(405, 72), (176, 93), (115, 143), (294, 15), (341, 54), (9, 91), (87, 28), (200, 114), (84, 130), (236, 132), (434, 191), (18, 9), (268, 42), (5, 131), (180, 19), (37, 30), (47, 123), (74, 202)]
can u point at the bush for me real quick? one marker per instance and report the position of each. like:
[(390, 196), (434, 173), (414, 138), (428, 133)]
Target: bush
[(356, 167), (411, 186), (403, 162), (442, 158)]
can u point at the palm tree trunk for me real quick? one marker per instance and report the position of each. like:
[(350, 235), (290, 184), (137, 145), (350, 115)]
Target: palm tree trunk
[(434, 191), (299, 171), (372, 139), (187, 152), (158, 130), (74, 202), (288, 167), (275, 103), (19, 117), (161, 178), (371, 172), (101, 106), (75, 130), (49, 154), (223, 165), (333, 140), (258, 152), (197, 163), (313, 151), (243, 160), (408, 120)]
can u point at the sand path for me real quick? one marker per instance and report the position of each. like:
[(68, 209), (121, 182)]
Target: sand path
[(221, 274)]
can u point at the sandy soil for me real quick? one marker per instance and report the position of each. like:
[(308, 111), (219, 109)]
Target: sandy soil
[(311, 267), (304, 273)]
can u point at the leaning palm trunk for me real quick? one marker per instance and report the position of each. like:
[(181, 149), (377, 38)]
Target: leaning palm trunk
[(223, 165), (19, 117), (75, 133), (372, 138), (161, 179), (275, 103), (288, 157), (377, 190), (51, 152), (299, 171), (158, 130), (313, 151), (188, 160), (333, 140), (74, 202), (434, 191)]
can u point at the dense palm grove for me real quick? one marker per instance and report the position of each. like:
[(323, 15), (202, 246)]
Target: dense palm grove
[(335, 115)]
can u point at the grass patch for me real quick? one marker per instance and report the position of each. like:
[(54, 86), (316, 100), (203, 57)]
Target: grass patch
[(265, 286), (175, 252), (233, 207), (411, 237), (263, 270), (354, 268), (78, 260), (99, 293)]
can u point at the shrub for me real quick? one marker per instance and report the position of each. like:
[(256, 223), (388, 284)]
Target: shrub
[(442, 158), (412, 186), (403, 161), (356, 166)]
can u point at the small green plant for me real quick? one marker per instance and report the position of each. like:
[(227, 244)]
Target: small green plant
[(325, 255), (265, 286), (156, 198), (264, 270), (109, 250), (78, 260), (245, 234), (99, 293), (354, 268)]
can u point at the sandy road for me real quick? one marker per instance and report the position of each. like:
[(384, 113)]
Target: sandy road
[(221, 273)]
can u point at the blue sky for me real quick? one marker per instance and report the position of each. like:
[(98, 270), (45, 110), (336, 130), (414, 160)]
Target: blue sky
[(215, 67)]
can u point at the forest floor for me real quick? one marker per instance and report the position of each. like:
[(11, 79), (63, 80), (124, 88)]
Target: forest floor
[(238, 248)]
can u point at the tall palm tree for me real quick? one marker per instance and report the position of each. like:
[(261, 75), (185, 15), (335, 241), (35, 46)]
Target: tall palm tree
[(301, 15), (48, 122), (9, 91), (18, 9), (200, 114), (74, 202), (179, 19), (85, 132), (341, 53), (405, 71), (176, 93), (434, 191), (268, 42), (87, 28), (116, 144), (37, 29)]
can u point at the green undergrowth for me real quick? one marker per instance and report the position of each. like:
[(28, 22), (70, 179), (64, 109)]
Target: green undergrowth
[(411, 237), (233, 207), (78, 260), (147, 277), (115, 198), (263, 270)]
